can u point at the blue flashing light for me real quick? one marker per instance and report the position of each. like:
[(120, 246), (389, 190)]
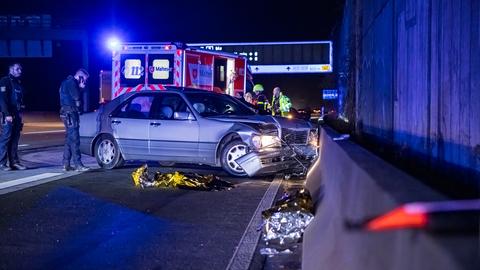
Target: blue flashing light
[(113, 44)]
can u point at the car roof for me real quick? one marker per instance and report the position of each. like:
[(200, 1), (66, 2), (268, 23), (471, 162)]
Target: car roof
[(170, 89), (189, 90)]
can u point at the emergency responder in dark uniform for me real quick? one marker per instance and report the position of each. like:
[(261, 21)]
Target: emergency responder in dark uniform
[(260, 100), (11, 103), (70, 114)]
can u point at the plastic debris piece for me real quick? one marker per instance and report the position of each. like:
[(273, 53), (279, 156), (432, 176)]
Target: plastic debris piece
[(179, 180), (285, 222), (273, 251)]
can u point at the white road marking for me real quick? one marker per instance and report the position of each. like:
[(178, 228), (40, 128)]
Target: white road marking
[(23, 145), (44, 132), (27, 180), (243, 255)]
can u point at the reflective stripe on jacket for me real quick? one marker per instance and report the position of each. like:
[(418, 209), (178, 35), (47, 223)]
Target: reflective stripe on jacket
[(283, 106)]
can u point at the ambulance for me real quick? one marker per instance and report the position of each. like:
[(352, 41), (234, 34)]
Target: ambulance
[(153, 66)]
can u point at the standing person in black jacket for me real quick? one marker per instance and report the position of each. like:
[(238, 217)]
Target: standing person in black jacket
[(11, 103), (70, 114)]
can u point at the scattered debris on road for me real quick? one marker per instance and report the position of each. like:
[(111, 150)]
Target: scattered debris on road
[(178, 179), (285, 222), (273, 251), (140, 177)]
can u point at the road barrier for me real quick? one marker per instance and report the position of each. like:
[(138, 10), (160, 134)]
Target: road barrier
[(349, 184)]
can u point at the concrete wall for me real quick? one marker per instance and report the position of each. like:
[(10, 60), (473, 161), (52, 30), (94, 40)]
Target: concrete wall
[(349, 183), (416, 83)]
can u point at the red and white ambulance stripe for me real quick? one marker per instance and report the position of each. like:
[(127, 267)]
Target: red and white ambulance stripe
[(177, 78), (124, 90), (156, 87), (116, 74)]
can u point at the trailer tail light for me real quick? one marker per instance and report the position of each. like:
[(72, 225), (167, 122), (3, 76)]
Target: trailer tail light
[(457, 216), (401, 217)]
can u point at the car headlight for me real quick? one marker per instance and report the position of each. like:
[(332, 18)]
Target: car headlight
[(262, 141)]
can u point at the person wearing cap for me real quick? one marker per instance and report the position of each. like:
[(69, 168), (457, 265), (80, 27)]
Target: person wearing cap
[(70, 114), (260, 100)]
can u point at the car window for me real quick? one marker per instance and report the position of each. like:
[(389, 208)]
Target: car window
[(138, 107), (167, 104), (246, 103), (209, 104)]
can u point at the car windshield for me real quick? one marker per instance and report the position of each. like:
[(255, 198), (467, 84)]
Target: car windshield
[(210, 104)]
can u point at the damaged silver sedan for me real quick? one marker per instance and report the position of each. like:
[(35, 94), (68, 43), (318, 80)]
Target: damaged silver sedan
[(181, 125)]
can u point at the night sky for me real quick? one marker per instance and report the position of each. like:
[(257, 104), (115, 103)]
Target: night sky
[(191, 21)]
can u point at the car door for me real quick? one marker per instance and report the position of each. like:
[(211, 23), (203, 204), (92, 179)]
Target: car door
[(173, 137), (130, 124)]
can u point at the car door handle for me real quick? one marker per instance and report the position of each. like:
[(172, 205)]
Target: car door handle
[(155, 124), (116, 122)]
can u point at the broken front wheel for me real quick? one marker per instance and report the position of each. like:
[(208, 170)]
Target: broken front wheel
[(230, 153)]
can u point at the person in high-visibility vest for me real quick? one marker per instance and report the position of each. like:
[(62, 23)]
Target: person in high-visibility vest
[(260, 100), (281, 104)]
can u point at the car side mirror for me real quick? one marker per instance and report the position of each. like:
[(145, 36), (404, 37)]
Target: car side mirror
[(183, 116)]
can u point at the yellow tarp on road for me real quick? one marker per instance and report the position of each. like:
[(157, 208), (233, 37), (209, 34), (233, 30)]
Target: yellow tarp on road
[(179, 180)]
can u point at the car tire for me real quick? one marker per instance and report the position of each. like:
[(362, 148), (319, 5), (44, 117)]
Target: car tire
[(107, 153), (230, 152)]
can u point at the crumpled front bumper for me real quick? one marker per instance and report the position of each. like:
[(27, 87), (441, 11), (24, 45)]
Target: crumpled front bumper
[(271, 161)]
